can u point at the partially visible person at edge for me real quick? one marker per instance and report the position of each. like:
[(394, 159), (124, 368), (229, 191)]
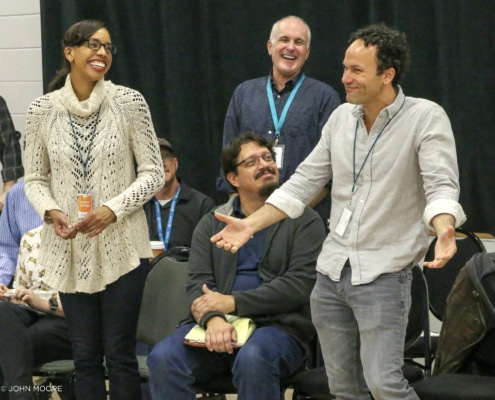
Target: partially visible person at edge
[(10, 152), (270, 281), (393, 163), (17, 218), (176, 204), (98, 141), (286, 106), (33, 328)]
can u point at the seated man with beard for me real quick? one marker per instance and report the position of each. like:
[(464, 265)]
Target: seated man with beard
[(269, 280)]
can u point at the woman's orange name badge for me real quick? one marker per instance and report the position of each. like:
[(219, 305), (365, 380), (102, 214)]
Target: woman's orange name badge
[(84, 205)]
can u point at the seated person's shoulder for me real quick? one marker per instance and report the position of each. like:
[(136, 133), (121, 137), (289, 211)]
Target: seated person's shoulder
[(196, 198), (310, 214), (33, 235), (203, 197), (29, 245), (17, 188), (310, 220)]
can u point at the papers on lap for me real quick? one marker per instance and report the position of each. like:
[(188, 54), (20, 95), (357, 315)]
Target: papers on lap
[(244, 327)]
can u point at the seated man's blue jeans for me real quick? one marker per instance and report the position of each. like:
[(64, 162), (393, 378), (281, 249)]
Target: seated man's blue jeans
[(269, 355)]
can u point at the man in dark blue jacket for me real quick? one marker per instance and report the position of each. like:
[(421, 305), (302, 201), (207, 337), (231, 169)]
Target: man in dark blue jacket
[(285, 106)]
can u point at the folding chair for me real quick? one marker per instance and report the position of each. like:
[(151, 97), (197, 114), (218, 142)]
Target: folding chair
[(441, 280), (164, 302), (163, 306), (60, 370), (456, 387)]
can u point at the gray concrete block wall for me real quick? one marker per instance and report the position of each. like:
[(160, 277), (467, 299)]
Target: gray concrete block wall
[(21, 79)]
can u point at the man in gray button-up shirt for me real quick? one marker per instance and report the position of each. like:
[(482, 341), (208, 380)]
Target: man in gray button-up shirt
[(393, 163)]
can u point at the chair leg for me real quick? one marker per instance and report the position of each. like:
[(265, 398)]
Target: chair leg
[(213, 396), (68, 387)]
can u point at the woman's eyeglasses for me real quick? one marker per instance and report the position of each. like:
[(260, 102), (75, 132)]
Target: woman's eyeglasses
[(95, 44)]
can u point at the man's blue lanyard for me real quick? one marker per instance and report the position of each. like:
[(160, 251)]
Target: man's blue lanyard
[(278, 123), (371, 148), (158, 213), (84, 161)]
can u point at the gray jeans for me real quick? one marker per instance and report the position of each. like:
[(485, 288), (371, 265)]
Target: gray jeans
[(362, 330)]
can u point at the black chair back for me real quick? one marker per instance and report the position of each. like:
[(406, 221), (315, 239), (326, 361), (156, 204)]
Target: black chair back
[(441, 280), (418, 339), (164, 302)]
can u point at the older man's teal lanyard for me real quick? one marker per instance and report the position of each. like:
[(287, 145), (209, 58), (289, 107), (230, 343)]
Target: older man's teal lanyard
[(84, 161), (278, 123), (371, 148), (158, 214)]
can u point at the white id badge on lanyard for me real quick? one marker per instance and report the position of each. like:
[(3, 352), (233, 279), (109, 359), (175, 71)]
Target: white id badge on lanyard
[(343, 222), (279, 155)]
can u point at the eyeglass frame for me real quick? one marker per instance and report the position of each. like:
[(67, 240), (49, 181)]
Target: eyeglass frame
[(113, 48), (257, 158)]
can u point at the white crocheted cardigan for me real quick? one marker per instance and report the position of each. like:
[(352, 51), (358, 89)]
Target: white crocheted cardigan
[(123, 171)]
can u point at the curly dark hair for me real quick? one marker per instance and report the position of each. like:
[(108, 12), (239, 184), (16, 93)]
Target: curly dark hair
[(392, 48), (232, 150)]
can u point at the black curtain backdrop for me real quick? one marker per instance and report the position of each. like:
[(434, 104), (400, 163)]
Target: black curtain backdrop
[(187, 57)]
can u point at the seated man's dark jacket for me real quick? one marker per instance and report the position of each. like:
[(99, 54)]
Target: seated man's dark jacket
[(469, 314), (287, 270)]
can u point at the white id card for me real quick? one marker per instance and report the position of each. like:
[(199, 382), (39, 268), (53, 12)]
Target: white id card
[(343, 222), (279, 155)]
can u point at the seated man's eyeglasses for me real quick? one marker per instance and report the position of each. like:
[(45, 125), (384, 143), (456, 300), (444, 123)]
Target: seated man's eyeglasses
[(254, 160), (95, 44)]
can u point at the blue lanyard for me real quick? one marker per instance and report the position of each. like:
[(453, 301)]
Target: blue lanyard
[(84, 162), (371, 148), (278, 123), (158, 213)]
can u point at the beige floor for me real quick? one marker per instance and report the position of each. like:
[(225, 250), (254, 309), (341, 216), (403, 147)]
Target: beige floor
[(288, 396)]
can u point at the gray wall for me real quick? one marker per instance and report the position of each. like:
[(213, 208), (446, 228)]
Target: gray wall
[(20, 57)]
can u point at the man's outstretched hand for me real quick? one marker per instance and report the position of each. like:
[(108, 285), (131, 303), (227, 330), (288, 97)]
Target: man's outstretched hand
[(445, 248), (234, 235)]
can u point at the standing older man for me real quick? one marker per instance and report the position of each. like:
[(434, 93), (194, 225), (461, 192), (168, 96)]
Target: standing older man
[(286, 106), (394, 167), (270, 281)]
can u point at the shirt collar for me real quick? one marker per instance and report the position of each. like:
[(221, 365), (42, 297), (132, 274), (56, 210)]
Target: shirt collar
[(289, 85), (236, 208)]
